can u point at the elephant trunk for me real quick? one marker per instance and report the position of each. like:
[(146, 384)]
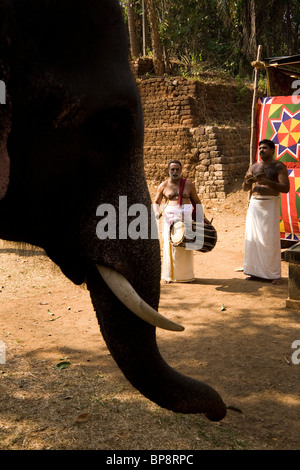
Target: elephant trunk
[(132, 343)]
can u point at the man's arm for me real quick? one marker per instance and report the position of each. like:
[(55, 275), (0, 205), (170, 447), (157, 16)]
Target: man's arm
[(193, 194), (248, 180), (200, 217), (158, 198)]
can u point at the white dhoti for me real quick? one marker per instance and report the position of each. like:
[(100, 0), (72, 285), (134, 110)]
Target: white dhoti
[(178, 263), (262, 238)]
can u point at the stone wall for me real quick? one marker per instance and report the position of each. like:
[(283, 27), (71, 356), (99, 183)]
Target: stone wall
[(205, 126)]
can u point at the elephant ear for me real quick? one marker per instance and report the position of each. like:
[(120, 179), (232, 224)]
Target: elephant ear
[(5, 101)]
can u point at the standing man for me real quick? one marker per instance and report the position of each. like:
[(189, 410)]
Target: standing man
[(266, 179), (178, 262)]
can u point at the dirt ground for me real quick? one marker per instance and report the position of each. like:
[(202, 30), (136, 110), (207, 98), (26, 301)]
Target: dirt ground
[(237, 338)]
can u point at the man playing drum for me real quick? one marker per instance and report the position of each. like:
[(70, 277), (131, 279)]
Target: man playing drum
[(178, 262)]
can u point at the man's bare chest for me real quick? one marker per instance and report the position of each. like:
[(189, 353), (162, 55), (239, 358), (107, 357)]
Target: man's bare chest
[(171, 192), (270, 171)]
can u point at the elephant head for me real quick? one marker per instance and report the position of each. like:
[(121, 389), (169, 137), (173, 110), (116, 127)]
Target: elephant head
[(71, 141)]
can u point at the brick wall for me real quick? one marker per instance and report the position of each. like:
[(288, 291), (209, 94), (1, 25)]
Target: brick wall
[(205, 126)]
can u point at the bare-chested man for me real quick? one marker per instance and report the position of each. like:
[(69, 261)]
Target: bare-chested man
[(265, 179), (178, 263)]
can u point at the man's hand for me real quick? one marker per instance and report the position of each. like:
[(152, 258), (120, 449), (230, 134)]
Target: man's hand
[(249, 178)]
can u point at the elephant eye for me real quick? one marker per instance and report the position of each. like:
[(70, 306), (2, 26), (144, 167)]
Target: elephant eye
[(110, 131)]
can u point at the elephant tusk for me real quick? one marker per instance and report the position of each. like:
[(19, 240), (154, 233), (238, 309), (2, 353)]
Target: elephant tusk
[(130, 298)]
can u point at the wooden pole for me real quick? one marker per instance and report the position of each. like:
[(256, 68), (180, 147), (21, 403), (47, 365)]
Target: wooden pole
[(253, 115)]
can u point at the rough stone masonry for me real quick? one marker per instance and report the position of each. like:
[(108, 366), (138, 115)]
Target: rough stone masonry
[(204, 125)]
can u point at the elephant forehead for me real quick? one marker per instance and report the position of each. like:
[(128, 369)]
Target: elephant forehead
[(66, 33), (76, 52)]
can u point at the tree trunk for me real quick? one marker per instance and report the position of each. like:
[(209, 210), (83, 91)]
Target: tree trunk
[(158, 59), (288, 28), (134, 50), (253, 40), (248, 17)]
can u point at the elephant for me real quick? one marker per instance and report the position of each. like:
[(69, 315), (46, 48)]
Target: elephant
[(71, 140)]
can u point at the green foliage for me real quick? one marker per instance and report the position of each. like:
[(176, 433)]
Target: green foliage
[(242, 91), (224, 33), (262, 84)]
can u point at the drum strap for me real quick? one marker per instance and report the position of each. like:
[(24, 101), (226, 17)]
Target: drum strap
[(181, 188)]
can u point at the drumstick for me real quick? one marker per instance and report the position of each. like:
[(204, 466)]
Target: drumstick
[(161, 212)]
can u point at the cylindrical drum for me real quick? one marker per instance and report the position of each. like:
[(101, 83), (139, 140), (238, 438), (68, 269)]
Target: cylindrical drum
[(203, 236)]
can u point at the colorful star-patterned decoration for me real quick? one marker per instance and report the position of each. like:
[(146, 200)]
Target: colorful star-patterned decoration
[(278, 119), (286, 134), (290, 208)]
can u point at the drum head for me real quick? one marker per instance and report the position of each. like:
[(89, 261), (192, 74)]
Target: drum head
[(177, 233)]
